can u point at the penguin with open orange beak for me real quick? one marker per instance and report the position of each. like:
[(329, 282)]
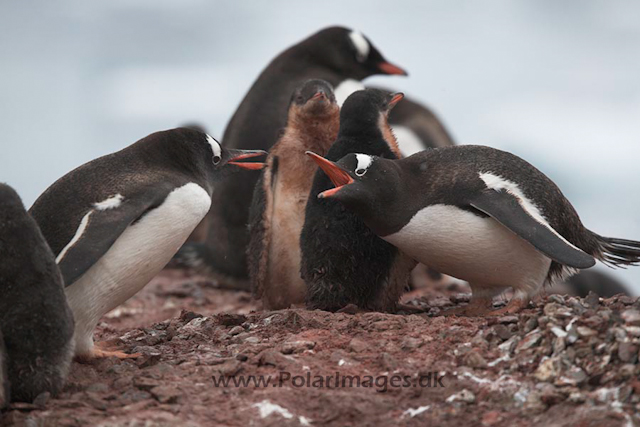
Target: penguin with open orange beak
[(476, 213)]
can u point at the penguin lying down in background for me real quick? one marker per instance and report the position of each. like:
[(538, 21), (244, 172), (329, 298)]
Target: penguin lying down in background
[(476, 213), (36, 324), (116, 221)]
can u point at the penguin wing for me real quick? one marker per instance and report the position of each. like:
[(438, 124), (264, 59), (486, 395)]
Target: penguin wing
[(508, 210), (101, 227), (260, 216)]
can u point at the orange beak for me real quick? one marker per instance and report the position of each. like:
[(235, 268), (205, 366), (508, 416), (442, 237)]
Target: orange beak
[(246, 154), (336, 174), (389, 68), (397, 97)]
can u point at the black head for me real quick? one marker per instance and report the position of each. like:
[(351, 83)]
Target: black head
[(313, 98), (9, 199), (367, 111), (347, 52), (364, 184), (193, 150)]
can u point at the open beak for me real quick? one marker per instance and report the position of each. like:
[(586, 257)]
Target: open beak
[(389, 68), (246, 154), (397, 97), (318, 95), (336, 174)]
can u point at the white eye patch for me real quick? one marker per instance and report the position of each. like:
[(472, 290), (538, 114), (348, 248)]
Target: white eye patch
[(217, 150), (361, 44), (364, 161)]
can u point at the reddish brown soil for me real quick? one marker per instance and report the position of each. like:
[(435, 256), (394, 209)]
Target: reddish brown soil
[(190, 333)]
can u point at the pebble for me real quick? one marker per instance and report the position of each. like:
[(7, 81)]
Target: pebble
[(529, 340), (474, 359), (298, 346), (633, 330), (583, 331), (628, 352), (554, 309), (410, 343), (166, 394), (462, 396), (530, 324), (548, 370), (357, 345), (631, 317), (236, 330), (502, 332), (592, 300), (508, 319)]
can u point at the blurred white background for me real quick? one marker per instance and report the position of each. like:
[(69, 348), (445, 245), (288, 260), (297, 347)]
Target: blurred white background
[(557, 83)]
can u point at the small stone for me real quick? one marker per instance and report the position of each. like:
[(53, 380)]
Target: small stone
[(529, 340), (572, 335), (633, 330), (133, 395), (583, 331), (231, 319), (530, 325), (576, 397), (388, 362), (236, 330), (631, 317), (502, 332), (573, 377), (509, 345), (458, 298), (230, 368), (627, 352), (507, 319), (166, 394), (559, 345), (410, 343), (187, 316), (592, 300), (299, 346), (491, 418), (556, 298), (553, 309), (474, 359), (41, 400), (356, 345), (550, 395), (534, 403), (273, 358), (464, 395), (548, 370), (252, 340)]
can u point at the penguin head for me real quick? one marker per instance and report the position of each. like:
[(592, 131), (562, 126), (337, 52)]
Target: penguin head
[(222, 157), (9, 198), (349, 53), (365, 113), (362, 182), (313, 98)]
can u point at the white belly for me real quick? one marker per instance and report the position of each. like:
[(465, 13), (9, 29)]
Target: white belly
[(140, 252), (468, 247)]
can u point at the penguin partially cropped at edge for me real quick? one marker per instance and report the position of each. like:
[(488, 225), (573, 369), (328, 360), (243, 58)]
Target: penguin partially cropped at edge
[(338, 55), (36, 324), (280, 197), (116, 221), (476, 213), (343, 262)]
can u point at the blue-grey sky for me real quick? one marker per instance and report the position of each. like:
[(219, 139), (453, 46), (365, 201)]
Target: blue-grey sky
[(557, 83)]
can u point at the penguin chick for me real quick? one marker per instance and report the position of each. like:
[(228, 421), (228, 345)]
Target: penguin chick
[(36, 324), (476, 213), (280, 197), (343, 262), (338, 55), (116, 221)]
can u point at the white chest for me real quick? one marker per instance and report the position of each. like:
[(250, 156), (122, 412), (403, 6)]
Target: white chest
[(346, 88), (140, 252), (471, 248)]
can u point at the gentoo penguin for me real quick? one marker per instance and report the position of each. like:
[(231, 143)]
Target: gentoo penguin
[(114, 222), (476, 213), (36, 324), (337, 55), (280, 197), (344, 263)]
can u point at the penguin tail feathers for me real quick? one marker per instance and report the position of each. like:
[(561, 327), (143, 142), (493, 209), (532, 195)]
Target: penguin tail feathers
[(616, 252), (197, 258)]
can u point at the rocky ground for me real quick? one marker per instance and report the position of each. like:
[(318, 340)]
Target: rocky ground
[(562, 361)]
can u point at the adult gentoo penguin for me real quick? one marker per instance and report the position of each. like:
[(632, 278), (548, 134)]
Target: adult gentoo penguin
[(476, 213), (114, 222), (337, 55), (36, 324), (280, 197), (343, 262)]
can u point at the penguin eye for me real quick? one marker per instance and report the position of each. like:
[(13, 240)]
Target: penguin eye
[(360, 172), (299, 98), (216, 159)]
